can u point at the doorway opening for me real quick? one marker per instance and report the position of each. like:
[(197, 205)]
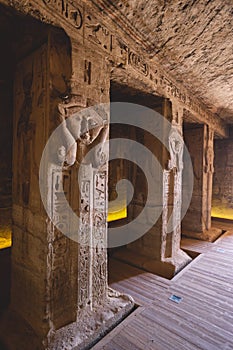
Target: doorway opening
[(222, 202), (124, 169)]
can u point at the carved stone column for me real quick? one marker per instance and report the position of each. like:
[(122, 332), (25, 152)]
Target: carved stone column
[(197, 222), (60, 295), (97, 307), (159, 250), (172, 192)]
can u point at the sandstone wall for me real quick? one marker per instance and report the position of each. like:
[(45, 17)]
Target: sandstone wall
[(223, 179), (194, 140), (6, 136)]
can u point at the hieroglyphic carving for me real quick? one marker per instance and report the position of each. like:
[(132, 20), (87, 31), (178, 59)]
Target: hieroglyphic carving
[(177, 204), (99, 239), (129, 57), (71, 13), (85, 234), (166, 180), (60, 249), (87, 72), (98, 33), (138, 62), (170, 88), (120, 51), (93, 235)]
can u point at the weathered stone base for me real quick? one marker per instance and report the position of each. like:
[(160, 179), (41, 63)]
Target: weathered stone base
[(91, 326), (167, 269), (208, 235)]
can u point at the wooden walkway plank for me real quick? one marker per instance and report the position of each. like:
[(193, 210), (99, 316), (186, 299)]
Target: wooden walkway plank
[(203, 320)]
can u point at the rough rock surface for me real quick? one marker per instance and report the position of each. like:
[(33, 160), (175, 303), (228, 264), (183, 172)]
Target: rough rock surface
[(193, 40)]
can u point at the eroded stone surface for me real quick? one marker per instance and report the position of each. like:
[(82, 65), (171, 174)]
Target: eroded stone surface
[(199, 141), (92, 324), (193, 41)]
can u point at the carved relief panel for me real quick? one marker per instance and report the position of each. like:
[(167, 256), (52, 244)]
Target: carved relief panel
[(29, 118), (99, 239), (85, 233), (62, 284), (172, 193), (79, 133)]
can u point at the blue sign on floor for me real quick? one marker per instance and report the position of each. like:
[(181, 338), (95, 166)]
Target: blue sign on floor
[(175, 298), (220, 250)]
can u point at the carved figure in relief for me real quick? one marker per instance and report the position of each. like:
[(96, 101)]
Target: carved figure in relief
[(67, 152), (209, 160), (79, 132), (209, 153), (82, 128), (25, 130), (176, 145)]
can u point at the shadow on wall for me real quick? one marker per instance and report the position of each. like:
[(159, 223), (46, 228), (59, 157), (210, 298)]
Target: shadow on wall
[(2, 346)]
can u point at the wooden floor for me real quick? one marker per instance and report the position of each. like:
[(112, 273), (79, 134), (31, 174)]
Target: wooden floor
[(202, 320)]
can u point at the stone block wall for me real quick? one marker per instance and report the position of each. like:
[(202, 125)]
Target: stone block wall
[(6, 133), (222, 204), (199, 141), (194, 140)]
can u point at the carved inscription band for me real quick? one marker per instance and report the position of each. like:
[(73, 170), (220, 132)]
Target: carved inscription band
[(68, 11)]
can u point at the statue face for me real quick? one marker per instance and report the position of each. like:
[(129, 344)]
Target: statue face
[(90, 129), (175, 142), (74, 126), (176, 145), (71, 154)]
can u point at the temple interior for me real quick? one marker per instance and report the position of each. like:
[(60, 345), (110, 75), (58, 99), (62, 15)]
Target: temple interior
[(116, 175)]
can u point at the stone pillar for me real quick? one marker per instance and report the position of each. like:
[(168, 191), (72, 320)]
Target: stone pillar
[(158, 251), (60, 296), (197, 222), (172, 190)]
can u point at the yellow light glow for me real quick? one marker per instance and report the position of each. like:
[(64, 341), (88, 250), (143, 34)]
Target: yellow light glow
[(5, 237), (5, 243), (220, 210), (117, 215), (5, 228)]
